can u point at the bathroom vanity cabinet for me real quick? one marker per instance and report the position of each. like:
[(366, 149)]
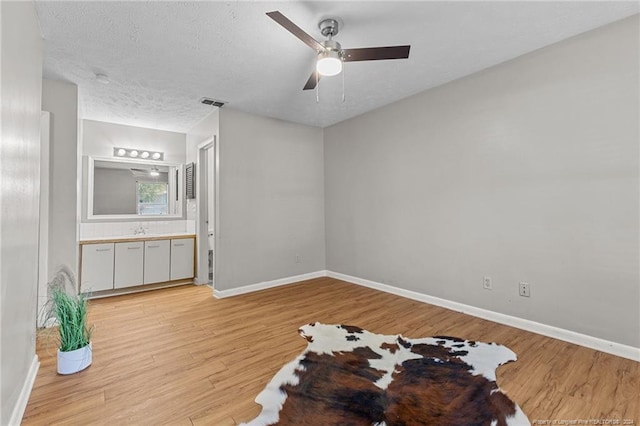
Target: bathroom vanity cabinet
[(128, 264), (135, 263), (97, 266), (157, 261)]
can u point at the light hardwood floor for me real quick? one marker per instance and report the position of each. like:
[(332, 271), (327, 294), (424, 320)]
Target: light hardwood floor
[(178, 356)]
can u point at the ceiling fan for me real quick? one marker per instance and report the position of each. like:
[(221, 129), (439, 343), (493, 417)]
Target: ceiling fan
[(330, 54), (154, 172)]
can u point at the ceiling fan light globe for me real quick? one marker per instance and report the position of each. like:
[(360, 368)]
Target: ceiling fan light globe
[(329, 64)]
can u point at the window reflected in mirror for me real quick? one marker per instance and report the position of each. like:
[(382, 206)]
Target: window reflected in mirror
[(152, 197)]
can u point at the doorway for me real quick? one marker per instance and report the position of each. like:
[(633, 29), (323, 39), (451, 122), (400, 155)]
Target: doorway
[(206, 223)]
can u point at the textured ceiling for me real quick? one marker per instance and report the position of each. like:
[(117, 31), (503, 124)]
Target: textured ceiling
[(162, 57)]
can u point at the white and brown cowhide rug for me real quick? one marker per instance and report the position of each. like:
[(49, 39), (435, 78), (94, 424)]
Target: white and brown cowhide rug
[(349, 376)]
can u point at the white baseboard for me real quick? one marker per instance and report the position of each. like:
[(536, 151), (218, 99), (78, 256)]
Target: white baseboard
[(25, 392), (596, 343), (198, 281), (221, 294)]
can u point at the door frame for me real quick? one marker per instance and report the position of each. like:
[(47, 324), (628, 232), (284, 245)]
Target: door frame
[(43, 226), (202, 249)]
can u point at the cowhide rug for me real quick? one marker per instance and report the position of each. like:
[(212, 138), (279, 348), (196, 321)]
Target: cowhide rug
[(349, 376)]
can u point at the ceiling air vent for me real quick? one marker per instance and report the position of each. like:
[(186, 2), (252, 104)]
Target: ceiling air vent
[(212, 102)]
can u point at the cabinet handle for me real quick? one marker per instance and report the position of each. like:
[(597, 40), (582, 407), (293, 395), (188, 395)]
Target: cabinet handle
[(178, 244), (104, 249), (133, 248), (153, 246)]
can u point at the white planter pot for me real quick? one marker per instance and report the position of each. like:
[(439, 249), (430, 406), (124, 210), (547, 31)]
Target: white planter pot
[(74, 361)]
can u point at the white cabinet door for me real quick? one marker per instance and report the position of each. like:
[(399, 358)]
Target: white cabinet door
[(156, 261), (182, 258), (97, 267), (129, 264)]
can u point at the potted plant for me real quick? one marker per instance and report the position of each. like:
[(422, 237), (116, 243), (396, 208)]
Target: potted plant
[(70, 311)]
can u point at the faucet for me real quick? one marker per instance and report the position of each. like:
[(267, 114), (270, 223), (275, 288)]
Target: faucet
[(139, 230)]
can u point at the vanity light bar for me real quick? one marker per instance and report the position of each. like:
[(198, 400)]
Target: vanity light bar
[(138, 153)]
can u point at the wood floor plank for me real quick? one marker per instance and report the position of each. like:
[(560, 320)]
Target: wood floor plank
[(178, 356)]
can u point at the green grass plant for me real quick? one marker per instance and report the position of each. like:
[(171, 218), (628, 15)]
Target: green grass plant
[(71, 316), (70, 312)]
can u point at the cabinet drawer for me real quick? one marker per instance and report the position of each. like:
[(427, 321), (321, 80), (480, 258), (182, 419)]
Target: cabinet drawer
[(156, 261), (129, 261), (182, 258), (97, 267)]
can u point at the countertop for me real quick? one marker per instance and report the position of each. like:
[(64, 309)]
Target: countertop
[(140, 237)]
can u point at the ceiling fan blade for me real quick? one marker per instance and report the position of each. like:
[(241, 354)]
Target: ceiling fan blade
[(376, 53), (295, 30), (313, 80)]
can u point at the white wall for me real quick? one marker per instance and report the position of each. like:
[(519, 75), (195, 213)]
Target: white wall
[(61, 100), (21, 83), (201, 132), (99, 139), (527, 171), (271, 200)]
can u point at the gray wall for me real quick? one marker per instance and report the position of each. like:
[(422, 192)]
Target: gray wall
[(19, 191), (271, 200), (61, 100), (527, 171)]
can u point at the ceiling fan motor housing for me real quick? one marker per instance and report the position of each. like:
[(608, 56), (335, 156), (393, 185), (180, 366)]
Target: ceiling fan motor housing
[(332, 45), (328, 27)]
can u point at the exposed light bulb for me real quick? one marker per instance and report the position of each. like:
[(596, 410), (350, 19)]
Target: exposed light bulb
[(137, 153), (329, 63)]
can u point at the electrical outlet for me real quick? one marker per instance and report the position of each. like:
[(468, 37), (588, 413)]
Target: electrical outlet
[(486, 283), (525, 291), (297, 258)]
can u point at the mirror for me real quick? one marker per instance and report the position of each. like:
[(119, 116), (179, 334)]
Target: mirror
[(125, 189)]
